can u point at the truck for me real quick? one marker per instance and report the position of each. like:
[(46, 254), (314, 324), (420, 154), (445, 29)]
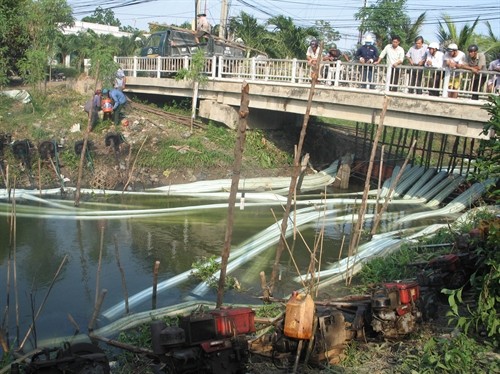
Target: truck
[(176, 42)]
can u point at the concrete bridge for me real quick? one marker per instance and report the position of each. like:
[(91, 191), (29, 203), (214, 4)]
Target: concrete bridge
[(277, 100)]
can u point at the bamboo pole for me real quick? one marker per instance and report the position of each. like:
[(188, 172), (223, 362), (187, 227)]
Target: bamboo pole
[(122, 275), (394, 183), (74, 323), (128, 347), (85, 143), (295, 174), (40, 177), (380, 176), (97, 308), (238, 156), (155, 283), (99, 263), (14, 257), (356, 235), (133, 164), (40, 308)]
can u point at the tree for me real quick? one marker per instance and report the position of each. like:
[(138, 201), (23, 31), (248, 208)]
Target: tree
[(246, 28), (448, 32), (289, 40), (13, 37), (327, 33), (384, 19), (488, 164), (103, 17), (412, 30), (195, 74), (43, 21)]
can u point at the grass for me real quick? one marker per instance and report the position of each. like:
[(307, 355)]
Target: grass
[(51, 116)]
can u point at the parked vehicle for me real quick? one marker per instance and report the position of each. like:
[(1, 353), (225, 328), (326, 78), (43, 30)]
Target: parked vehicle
[(174, 42)]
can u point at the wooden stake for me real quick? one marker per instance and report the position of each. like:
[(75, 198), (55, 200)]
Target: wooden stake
[(75, 325), (378, 215), (99, 264), (356, 234), (295, 174), (155, 282), (380, 176), (122, 274), (238, 157), (128, 347), (133, 164), (97, 308), (85, 143)]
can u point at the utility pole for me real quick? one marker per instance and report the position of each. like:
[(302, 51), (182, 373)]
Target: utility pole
[(360, 36), (223, 19), (197, 10)]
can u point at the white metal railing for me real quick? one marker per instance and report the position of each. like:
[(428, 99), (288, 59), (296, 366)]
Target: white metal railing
[(405, 79)]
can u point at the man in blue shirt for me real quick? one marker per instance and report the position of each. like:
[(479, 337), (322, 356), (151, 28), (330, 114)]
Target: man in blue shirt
[(119, 100), (367, 54)]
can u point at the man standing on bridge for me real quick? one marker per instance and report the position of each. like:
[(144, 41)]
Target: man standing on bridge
[(367, 54), (453, 59), (415, 56), (475, 62), (434, 63), (395, 57)]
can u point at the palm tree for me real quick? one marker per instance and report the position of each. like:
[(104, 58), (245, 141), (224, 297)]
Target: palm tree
[(246, 28), (289, 40), (448, 33), (128, 45), (493, 43), (412, 30)]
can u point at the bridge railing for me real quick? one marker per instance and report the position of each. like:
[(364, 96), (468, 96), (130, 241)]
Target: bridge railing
[(404, 79)]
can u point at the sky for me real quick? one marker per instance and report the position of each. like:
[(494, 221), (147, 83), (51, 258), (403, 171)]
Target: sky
[(340, 14)]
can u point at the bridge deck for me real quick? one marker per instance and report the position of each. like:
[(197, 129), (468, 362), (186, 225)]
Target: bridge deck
[(283, 86)]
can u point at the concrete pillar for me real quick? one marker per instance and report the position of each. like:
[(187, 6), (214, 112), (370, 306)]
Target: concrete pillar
[(344, 172)]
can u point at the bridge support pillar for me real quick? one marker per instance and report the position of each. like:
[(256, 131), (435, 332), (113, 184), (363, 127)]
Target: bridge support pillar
[(258, 118), (344, 172)]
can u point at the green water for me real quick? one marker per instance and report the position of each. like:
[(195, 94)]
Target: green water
[(46, 235)]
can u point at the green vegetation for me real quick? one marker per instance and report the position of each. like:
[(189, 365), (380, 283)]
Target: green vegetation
[(476, 322), (488, 165), (205, 270), (460, 354)]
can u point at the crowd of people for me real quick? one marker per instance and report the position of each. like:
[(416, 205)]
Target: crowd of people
[(110, 101), (423, 57)]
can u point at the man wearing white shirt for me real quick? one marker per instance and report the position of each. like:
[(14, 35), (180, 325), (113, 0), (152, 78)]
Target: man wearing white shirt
[(415, 56), (433, 59), (453, 58), (395, 57)]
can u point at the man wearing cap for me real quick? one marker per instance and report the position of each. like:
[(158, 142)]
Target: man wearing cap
[(415, 56), (203, 27), (433, 60), (202, 24), (453, 59), (367, 54), (332, 57), (395, 57), (475, 62)]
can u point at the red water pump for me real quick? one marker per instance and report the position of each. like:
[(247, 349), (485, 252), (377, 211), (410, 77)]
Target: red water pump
[(395, 309), (205, 342)]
